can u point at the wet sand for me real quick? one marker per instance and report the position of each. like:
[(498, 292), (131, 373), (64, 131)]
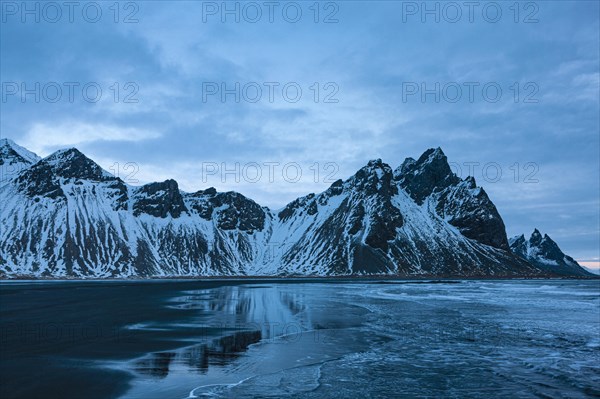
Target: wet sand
[(299, 338), (53, 334)]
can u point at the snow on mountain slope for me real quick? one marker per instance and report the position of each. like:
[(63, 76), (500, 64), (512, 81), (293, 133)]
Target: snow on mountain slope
[(544, 253), (13, 159), (370, 225), (64, 216), (463, 204)]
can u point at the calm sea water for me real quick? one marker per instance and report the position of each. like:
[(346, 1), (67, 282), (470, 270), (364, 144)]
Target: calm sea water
[(335, 339)]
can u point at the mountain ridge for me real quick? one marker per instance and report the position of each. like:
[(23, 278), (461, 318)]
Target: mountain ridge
[(67, 217), (544, 253)]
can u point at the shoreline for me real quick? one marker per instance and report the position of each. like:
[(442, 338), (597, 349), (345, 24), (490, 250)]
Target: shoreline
[(304, 279), (81, 331)]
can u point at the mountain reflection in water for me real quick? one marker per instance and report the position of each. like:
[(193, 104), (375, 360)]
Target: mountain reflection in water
[(199, 357), (297, 339), (228, 320)]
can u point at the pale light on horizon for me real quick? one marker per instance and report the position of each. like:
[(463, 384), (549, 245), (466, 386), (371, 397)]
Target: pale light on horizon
[(592, 265)]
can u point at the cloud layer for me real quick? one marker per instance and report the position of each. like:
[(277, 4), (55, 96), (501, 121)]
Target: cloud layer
[(510, 95)]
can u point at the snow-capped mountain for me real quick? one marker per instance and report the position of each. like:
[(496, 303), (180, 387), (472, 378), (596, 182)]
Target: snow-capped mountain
[(417, 220), (13, 159), (544, 253), (64, 216)]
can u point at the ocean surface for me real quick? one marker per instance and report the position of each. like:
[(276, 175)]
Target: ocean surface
[(300, 339)]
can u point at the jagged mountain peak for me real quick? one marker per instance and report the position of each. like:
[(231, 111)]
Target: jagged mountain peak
[(374, 169), (336, 185), (230, 210), (376, 163), (517, 239), (470, 182), (64, 154), (71, 163), (336, 188), (46, 177), (11, 152), (14, 159), (433, 158), (160, 199), (432, 154), (404, 167), (536, 237), (169, 184), (307, 202), (374, 180), (430, 173), (211, 191), (371, 223), (545, 253)]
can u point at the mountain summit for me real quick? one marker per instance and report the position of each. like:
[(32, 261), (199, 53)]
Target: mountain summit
[(13, 159), (544, 253), (64, 216)]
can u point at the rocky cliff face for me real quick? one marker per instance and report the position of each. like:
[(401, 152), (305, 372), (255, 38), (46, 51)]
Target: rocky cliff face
[(400, 223), (63, 216), (460, 202), (545, 254)]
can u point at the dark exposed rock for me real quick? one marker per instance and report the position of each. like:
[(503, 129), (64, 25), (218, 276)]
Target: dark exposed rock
[(10, 154), (375, 183), (378, 221), (231, 210), (468, 208), (237, 211), (14, 159), (460, 202), (356, 219), (40, 181), (44, 178), (544, 253), (360, 228), (119, 194), (375, 178), (406, 165), (159, 200), (72, 164), (336, 188), (428, 174), (298, 204)]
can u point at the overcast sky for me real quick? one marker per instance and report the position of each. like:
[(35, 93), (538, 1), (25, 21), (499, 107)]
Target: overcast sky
[(501, 89)]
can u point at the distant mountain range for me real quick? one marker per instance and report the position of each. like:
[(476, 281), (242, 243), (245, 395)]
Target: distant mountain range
[(63, 216), (545, 254)]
